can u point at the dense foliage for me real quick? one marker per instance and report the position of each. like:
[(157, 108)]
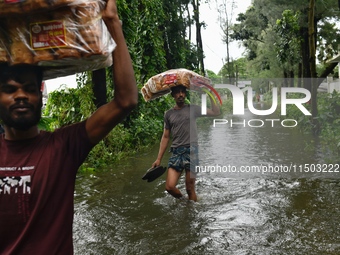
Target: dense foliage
[(329, 123), (297, 29), (286, 27), (158, 33)]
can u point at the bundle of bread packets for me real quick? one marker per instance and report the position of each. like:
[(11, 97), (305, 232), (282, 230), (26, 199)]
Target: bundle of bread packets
[(63, 36), (161, 84)]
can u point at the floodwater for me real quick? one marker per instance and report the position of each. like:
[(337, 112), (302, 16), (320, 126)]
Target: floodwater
[(280, 196)]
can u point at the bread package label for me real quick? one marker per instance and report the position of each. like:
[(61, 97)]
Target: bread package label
[(170, 78), (46, 35)]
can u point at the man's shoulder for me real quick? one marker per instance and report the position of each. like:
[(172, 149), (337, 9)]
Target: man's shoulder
[(168, 112), (185, 106), (72, 126), (194, 106), (71, 130)]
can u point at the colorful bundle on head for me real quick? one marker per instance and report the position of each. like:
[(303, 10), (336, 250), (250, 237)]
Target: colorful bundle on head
[(63, 36), (161, 84)]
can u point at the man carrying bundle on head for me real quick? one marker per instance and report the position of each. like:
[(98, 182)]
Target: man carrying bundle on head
[(180, 124), (37, 168)]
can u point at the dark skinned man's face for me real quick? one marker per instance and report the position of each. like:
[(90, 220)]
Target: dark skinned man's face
[(21, 102)]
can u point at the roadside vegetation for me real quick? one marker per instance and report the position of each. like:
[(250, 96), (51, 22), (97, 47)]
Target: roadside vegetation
[(278, 44), (326, 125)]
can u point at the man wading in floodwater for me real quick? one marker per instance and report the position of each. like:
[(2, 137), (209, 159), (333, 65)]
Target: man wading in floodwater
[(180, 122), (37, 168)]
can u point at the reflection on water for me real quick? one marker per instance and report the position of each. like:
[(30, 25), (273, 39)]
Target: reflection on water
[(118, 213), (239, 144)]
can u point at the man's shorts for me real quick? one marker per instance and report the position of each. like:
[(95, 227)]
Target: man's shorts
[(184, 158)]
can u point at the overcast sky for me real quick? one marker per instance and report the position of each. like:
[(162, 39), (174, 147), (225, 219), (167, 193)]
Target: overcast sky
[(214, 48)]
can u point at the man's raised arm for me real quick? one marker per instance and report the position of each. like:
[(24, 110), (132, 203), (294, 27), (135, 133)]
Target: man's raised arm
[(215, 109)]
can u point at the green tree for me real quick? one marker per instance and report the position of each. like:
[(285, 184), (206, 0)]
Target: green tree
[(226, 9), (288, 47), (238, 67), (314, 16), (250, 29), (257, 22), (199, 41)]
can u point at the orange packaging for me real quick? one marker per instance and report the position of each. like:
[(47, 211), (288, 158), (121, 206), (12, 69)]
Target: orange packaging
[(13, 8), (73, 37)]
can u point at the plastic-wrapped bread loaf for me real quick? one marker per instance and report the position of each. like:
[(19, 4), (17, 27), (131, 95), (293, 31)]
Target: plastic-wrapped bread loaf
[(90, 28), (88, 11), (160, 84), (147, 95), (4, 55), (91, 40), (29, 6), (41, 54), (20, 54), (67, 44), (18, 48), (11, 8), (162, 81), (74, 38)]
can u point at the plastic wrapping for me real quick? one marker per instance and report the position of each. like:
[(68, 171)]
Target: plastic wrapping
[(64, 41), (18, 7), (160, 84)]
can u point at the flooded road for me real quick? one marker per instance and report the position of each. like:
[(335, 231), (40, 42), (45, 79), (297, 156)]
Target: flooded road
[(249, 212)]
